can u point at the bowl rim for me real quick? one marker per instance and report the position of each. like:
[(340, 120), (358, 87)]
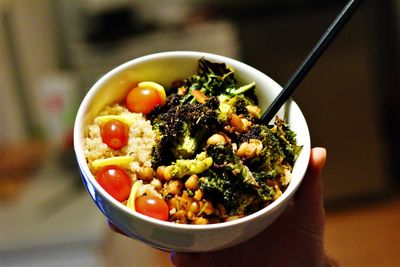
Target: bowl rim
[(82, 163)]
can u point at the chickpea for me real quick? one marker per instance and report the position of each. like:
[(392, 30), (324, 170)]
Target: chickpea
[(216, 139), (258, 145), (198, 195), (157, 184), (236, 123), (207, 207), (250, 150), (194, 207), (168, 173), (192, 210), (192, 183), (146, 174), (160, 173), (253, 110), (246, 124), (174, 187), (246, 150), (200, 220), (190, 215)]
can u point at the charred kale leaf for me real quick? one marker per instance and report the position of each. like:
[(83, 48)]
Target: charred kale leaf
[(214, 79), (231, 183), (279, 146)]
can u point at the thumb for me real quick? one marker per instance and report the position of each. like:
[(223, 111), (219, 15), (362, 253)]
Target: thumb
[(309, 197)]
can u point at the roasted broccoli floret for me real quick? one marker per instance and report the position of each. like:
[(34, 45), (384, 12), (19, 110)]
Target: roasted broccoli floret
[(181, 129), (189, 143), (237, 104), (184, 167)]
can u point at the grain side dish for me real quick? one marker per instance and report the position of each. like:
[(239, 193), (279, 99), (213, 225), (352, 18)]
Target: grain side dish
[(194, 153)]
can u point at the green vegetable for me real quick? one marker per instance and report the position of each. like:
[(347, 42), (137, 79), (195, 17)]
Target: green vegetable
[(242, 186), (182, 122), (229, 181), (214, 79), (185, 167), (236, 104), (279, 146), (180, 129), (182, 126)]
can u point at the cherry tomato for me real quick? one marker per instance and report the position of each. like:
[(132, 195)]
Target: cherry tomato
[(153, 207), (143, 100), (115, 181), (115, 134)]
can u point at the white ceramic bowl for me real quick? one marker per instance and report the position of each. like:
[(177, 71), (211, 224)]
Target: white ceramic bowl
[(164, 68)]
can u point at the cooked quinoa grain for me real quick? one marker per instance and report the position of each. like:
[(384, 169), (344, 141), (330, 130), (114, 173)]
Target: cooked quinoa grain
[(139, 147)]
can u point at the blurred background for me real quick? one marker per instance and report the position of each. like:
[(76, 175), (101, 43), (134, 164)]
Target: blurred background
[(52, 51)]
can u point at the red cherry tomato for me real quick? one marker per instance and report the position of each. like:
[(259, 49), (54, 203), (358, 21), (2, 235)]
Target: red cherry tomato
[(115, 134), (153, 207), (143, 100), (115, 181)]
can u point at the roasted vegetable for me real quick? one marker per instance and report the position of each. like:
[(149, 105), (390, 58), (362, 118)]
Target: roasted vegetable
[(265, 192), (180, 129), (222, 185), (186, 167), (243, 185), (279, 146), (213, 79), (240, 167), (229, 181), (238, 104)]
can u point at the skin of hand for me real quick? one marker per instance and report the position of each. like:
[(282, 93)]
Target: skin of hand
[(294, 239)]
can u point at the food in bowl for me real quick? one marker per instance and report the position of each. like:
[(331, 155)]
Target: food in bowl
[(193, 154)]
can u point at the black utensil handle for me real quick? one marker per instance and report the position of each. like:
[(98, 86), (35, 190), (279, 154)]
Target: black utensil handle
[(311, 59)]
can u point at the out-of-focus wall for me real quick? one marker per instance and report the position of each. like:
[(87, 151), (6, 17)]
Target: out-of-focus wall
[(31, 35), (53, 43), (11, 118)]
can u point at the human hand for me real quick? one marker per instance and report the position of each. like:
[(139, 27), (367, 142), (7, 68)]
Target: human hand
[(294, 239)]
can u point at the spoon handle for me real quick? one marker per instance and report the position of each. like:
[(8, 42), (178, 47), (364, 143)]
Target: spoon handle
[(311, 59)]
